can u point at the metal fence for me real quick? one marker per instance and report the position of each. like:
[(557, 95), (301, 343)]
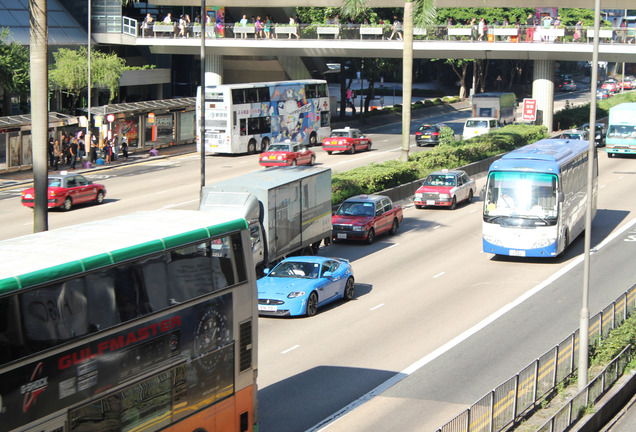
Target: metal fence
[(575, 408), (510, 401)]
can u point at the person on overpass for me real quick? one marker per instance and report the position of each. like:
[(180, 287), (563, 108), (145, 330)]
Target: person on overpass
[(397, 28), (530, 24)]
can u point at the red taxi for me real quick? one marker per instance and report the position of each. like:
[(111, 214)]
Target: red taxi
[(627, 84), (283, 154), (363, 217), (65, 190), (610, 85), (445, 188), (346, 140)]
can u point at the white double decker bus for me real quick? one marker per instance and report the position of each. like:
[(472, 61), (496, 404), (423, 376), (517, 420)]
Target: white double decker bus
[(246, 118)]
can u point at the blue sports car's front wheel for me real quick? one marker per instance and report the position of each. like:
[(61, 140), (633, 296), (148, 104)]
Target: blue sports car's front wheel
[(349, 289), (312, 304)]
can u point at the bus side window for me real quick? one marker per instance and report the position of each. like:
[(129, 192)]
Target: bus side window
[(73, 310), (40, 316), (102, 304), (238, 96), (155, 282), (189, 274), (128, 293), (11, 337)]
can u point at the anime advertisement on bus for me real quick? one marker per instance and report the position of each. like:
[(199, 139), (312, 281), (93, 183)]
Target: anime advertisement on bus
[(188, 353), (294, 116)]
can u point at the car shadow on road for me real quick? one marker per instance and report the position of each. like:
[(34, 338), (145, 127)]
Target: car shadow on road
[(306, 399)]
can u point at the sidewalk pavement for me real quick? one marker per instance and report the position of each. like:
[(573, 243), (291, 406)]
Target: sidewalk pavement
[(17, 178)]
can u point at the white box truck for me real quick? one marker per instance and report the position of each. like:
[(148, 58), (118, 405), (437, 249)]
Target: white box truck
[(288, 209), (499, 105)]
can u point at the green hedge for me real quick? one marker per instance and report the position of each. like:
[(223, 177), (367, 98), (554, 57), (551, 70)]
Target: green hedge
[(377, 177), (571, 118)]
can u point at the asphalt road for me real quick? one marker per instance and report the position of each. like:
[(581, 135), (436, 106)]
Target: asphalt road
[(416, 292)]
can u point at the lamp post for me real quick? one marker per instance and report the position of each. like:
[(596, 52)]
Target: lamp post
[(584, 326), (87, 140), (202, 101)]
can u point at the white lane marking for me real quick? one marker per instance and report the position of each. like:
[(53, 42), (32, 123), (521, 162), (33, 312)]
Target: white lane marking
[(377, 307), (393, 245), (602, 186), (290, 349), (438, 275), (437, 226), (322, 425), (178, 204), (473, 211)]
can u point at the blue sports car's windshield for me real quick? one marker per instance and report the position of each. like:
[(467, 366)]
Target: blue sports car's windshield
[(294, 269)]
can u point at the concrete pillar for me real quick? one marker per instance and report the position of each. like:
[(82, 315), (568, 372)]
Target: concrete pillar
[(543, 91), (213, 69)]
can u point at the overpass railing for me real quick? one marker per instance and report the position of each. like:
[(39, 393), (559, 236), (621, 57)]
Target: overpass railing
[(512, 400), (495, 34)]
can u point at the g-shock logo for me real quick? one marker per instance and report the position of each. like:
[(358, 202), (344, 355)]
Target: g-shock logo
[(33, 388)]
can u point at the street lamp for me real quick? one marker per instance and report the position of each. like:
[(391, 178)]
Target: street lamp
[(87, 138), (585, 310)]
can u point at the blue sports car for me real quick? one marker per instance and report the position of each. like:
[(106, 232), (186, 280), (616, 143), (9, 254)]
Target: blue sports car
[(299, 285)]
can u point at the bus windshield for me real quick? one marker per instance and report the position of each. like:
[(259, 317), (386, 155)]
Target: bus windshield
[(521, 194), (621, 131)]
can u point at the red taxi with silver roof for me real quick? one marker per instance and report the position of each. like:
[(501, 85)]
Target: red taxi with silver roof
[(347, 140), (445, 188)]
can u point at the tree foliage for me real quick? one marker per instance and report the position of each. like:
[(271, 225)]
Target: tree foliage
[(70, 71), (14, 65)]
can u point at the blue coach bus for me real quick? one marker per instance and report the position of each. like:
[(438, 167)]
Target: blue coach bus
[(536, 198)]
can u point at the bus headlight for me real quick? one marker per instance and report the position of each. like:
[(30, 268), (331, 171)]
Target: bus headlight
[(493, 240), (541, 243)]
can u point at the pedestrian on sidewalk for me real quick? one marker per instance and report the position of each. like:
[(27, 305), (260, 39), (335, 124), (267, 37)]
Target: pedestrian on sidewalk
[(115, 147), (73, 149), (124, 147), (57, 155)]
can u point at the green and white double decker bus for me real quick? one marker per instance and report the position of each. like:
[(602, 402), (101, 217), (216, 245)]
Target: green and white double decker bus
[(142, 322)]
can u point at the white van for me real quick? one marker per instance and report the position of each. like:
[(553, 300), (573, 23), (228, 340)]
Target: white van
[(479, 125)]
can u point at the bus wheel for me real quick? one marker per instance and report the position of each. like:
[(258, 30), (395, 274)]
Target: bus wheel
[(264, 144), (313, 140), (611, 154), (251, 147)]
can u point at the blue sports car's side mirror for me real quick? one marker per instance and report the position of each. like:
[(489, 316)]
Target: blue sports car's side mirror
[(266, 271), (327, 274)]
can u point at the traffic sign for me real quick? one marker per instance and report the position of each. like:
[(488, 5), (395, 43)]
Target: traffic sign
[(110, 118), (529, 110)]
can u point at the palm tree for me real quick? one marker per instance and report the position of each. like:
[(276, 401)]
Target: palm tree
[(424, 11), (39, 111)]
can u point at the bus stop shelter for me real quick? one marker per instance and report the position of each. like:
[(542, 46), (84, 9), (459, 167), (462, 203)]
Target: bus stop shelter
[(147, 124), (16, 148)]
